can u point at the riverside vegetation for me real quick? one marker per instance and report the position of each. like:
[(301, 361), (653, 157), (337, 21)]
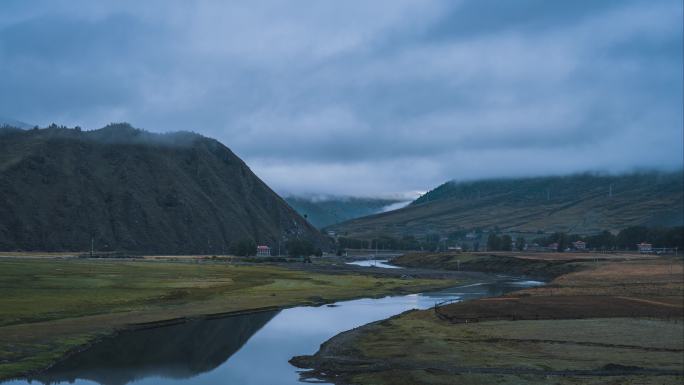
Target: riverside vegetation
[(50, 306)]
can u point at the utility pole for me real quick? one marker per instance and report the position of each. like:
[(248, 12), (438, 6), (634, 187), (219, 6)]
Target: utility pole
[(92, 246)]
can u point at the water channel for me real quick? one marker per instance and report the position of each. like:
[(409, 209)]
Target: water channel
[(251, 349)]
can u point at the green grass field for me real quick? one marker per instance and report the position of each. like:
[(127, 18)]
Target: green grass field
[(49, 306), (587, 344)]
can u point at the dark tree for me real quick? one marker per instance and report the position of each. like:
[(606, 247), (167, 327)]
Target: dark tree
[(520, 243), (300, 248), (506, 243), (562, 241), (628, 238), (493, 242), (244, 248), (602, 241)]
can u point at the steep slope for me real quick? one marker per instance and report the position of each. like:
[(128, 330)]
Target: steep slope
[(585, 203), (130, 190), (326, 211)]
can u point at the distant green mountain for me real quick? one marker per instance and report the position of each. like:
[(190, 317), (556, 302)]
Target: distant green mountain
[(326, 211), (582, 203)]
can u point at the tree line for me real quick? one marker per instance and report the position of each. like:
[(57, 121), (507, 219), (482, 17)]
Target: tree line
[(247, 247), (625, 239)]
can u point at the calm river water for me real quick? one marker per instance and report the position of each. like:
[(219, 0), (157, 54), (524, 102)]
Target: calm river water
[(374, 263), (239, 350)]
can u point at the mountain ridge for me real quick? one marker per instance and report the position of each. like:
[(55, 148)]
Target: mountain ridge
[(130, 190), (582, 203)]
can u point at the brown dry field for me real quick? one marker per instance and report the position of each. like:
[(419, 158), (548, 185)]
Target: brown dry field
[(553, 256), (633, 288)]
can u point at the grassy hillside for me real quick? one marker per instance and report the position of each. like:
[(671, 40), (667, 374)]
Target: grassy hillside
[(585, 203), (130, 190), (331, 210)]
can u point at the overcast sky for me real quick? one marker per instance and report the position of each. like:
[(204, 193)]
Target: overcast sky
[(363, 97)]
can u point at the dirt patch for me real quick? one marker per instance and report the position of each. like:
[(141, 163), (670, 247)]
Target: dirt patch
[(556, 307), (518, 265)]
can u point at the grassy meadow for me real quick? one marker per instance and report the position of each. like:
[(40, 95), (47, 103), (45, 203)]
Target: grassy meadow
[(49, 306)]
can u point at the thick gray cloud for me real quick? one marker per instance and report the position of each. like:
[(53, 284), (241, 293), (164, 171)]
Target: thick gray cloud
[(360, 97)]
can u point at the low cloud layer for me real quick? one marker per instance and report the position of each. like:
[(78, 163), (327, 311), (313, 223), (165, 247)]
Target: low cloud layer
[(363, 98)]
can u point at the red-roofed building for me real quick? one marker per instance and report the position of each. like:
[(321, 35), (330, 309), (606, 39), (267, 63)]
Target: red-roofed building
[(263, 251)]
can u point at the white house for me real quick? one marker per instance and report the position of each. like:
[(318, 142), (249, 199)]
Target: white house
[(645, 248)]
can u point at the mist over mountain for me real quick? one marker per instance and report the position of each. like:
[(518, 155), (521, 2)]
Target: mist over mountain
[(329, 210), (580, 203), (9, 122), (131, 190)]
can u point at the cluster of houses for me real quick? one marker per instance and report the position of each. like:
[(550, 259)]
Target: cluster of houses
[(643, 247)]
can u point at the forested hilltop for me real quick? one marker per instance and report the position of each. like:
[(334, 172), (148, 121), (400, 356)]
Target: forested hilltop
[(579, 204), (125, 189)]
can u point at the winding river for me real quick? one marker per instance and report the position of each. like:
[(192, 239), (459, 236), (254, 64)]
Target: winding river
[(245, 349)]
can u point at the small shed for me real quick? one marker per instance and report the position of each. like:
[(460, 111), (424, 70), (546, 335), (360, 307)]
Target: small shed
[(263, 251), (645, 248)]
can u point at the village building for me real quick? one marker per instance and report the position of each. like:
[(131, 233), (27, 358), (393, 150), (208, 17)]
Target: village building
[(263, 251), (553, 247), (579, 245), (645, 248)]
